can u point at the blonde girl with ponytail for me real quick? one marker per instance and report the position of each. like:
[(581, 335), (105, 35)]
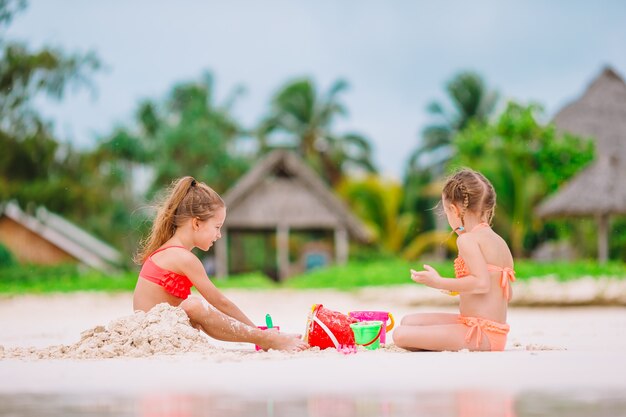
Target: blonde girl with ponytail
[(191, 216)]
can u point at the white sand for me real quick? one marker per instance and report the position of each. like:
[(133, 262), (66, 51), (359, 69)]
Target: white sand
[(548, 348), (164, 330)]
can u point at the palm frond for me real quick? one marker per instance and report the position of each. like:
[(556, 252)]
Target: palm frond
[(427, 240)]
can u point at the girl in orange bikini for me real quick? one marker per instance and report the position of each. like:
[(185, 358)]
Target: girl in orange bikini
[(191, 217), (484, 268)]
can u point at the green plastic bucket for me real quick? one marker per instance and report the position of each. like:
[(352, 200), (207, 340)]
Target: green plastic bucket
[(367, 333)]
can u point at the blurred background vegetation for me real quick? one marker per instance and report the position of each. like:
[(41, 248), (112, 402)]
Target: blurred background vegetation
[(107, 189)]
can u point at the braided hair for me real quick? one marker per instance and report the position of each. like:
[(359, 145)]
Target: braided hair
[(471, 192)]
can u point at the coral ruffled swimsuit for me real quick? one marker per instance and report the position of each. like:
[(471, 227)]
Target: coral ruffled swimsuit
[(495, 332), (176, 284)]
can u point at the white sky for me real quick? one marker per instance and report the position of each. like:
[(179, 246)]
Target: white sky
[(396, 55)]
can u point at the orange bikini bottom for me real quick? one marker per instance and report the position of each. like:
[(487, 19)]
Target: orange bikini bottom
[(495, 332)]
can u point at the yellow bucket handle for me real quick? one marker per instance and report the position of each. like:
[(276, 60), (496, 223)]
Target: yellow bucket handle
[(390, 325)]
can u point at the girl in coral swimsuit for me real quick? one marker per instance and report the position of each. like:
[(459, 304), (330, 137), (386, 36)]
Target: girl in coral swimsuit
[(484, 269), (191, 217)]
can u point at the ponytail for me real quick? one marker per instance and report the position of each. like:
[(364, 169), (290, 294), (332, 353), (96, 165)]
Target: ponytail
[(184, 199)]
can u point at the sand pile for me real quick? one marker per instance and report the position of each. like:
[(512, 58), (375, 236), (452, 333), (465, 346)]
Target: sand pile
[(164, 330)]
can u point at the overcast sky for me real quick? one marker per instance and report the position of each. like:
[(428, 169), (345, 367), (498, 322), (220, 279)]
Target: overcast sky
[(396, 55)]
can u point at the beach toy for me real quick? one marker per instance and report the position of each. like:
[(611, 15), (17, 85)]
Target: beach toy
[(369, 315), (329, 329), (257, 347), (268, 321), (347, 349), (367, 333)]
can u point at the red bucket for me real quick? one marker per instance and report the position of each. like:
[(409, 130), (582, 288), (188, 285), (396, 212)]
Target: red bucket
[(329, 329)]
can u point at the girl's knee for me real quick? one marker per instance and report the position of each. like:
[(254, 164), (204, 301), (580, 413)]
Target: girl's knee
[(399, 336), (192, 306)]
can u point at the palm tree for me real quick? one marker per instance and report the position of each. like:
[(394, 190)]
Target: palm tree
[(378, 203), (302, 119), (471, 101)]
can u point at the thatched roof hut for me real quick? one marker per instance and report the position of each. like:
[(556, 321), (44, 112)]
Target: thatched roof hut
[(281, 193), (600, 189)]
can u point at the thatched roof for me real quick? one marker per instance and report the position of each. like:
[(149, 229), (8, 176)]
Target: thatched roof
[(282, 190), (600, 113), (601, 187), (598, 189)]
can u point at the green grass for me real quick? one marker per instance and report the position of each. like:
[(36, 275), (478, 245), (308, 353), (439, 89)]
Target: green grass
[(63, 278), (359, 274), (68, 278), (253, 280), (566, 271)]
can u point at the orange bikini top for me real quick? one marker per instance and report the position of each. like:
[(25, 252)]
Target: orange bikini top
[(176, 284), (508, 274)]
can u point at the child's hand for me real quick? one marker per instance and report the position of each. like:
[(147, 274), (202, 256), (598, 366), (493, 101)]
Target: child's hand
[(428, 277)]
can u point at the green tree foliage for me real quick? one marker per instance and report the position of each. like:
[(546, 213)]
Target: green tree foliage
[(187, 134), (470, 101), (301, 118), (617, 239), (525, 161), (379, 203), (34, 166), (38, 169), (6, 257), (421, 194)]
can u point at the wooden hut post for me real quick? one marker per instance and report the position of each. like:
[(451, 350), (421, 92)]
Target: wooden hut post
[(221, 255), (603, 238), (341, 245), (282, 251)]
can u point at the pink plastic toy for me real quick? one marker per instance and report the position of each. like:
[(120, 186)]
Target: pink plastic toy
[(257, 347), (383, 316), (347, 349)]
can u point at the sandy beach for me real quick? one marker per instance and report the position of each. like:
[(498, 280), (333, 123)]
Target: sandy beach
[(549, 348)]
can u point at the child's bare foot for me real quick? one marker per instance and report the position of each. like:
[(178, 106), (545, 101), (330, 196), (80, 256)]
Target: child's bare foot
[(286, 342)]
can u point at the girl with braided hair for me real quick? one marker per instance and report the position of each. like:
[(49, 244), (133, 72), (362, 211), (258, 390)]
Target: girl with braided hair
[(484, 266), (191, 217)]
